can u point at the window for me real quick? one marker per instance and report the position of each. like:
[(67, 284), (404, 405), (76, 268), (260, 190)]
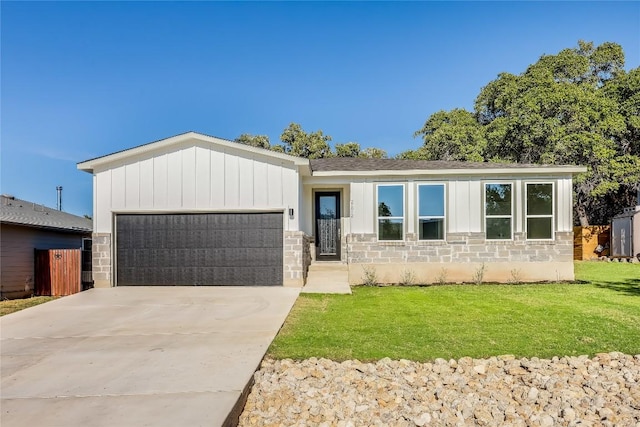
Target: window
[(540, 211), (498, 211), (390, 212), (431, 212), (86, 244)]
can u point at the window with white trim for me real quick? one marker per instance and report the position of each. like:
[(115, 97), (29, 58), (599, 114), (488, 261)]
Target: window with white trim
[(539, 212), (390, 212), (498, 205), (431, 215)]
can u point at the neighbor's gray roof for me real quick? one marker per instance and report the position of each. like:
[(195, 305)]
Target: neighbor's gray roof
[(22, 212), (361, 164)]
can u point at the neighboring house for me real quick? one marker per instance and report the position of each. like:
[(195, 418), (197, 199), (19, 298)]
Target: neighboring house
[(26, 226), (195, 209)]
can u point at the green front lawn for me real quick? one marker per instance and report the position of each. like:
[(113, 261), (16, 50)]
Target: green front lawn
[(424, 323)]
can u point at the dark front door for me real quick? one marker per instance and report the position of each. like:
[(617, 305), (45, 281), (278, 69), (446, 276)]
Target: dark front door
[(328, 226)]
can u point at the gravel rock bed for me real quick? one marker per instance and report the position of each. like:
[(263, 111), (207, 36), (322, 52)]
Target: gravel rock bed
[(503, 390)]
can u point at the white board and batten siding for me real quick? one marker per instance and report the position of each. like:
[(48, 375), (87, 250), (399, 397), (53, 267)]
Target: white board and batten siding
[(464, 202), (195, 178)]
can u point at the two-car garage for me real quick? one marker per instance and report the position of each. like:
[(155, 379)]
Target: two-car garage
[(196, 210), (199, 249)]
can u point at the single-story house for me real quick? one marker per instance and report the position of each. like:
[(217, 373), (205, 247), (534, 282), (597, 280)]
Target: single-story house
[(194, 209), (27, 226)]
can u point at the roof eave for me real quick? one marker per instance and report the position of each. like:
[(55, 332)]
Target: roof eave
[(49, 227), (495, 171)]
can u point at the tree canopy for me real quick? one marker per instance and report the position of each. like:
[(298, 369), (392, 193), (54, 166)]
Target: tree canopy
[(297, 142), (315, 145), (576, 107), (261, 141), (352, 149), (450, 135)]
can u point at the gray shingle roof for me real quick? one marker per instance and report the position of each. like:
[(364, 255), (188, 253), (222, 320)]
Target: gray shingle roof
[(360, 164), (22, 212)]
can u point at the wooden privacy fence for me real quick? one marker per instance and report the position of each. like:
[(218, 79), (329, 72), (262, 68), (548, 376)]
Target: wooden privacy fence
[(57, 272), (587, 239)]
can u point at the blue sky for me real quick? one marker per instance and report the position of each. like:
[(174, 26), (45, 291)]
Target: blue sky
[(84, 79)]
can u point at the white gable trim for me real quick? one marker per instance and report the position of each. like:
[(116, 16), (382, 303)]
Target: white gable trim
[(90, 165)]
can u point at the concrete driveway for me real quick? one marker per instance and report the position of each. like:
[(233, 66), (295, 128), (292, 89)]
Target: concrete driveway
[(137, 356)]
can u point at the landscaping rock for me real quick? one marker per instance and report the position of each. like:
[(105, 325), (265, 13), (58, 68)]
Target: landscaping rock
[(423, 420), (566, 391), (480, 369)]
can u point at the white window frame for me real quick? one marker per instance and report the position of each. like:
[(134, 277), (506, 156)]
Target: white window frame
[(553, 209), (404, 211), (484, 209), (443, 217)]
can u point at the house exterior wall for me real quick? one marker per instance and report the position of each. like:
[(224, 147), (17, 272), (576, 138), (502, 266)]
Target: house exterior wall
[(101, 256), (297, 258), (464, 202), (461, 257), (309, 188), (17, 255), (194, 176), (465, 248)]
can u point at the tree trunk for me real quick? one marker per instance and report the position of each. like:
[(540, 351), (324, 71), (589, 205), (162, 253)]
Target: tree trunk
[(582, 216)]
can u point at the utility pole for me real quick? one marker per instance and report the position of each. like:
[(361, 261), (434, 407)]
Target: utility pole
[(59, 190)]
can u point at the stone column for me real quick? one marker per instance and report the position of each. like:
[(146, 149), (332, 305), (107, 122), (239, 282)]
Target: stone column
[(101, 256), (296, 258)]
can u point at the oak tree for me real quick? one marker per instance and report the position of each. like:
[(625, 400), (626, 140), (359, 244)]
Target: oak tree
[(576, 107)]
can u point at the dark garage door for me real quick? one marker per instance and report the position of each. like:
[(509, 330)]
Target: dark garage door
[(217, 249)]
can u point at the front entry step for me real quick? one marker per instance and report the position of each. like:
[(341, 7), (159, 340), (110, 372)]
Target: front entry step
[(327, 278), (329, 266)]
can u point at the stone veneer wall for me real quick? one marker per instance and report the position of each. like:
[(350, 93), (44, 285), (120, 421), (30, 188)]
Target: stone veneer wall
[(465, 247), (462, 253), (307, 244), (297, 258), (101, 254)]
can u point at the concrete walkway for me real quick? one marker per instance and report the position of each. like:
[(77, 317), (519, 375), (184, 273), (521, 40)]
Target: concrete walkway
[(327, 278), (138, 356)]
